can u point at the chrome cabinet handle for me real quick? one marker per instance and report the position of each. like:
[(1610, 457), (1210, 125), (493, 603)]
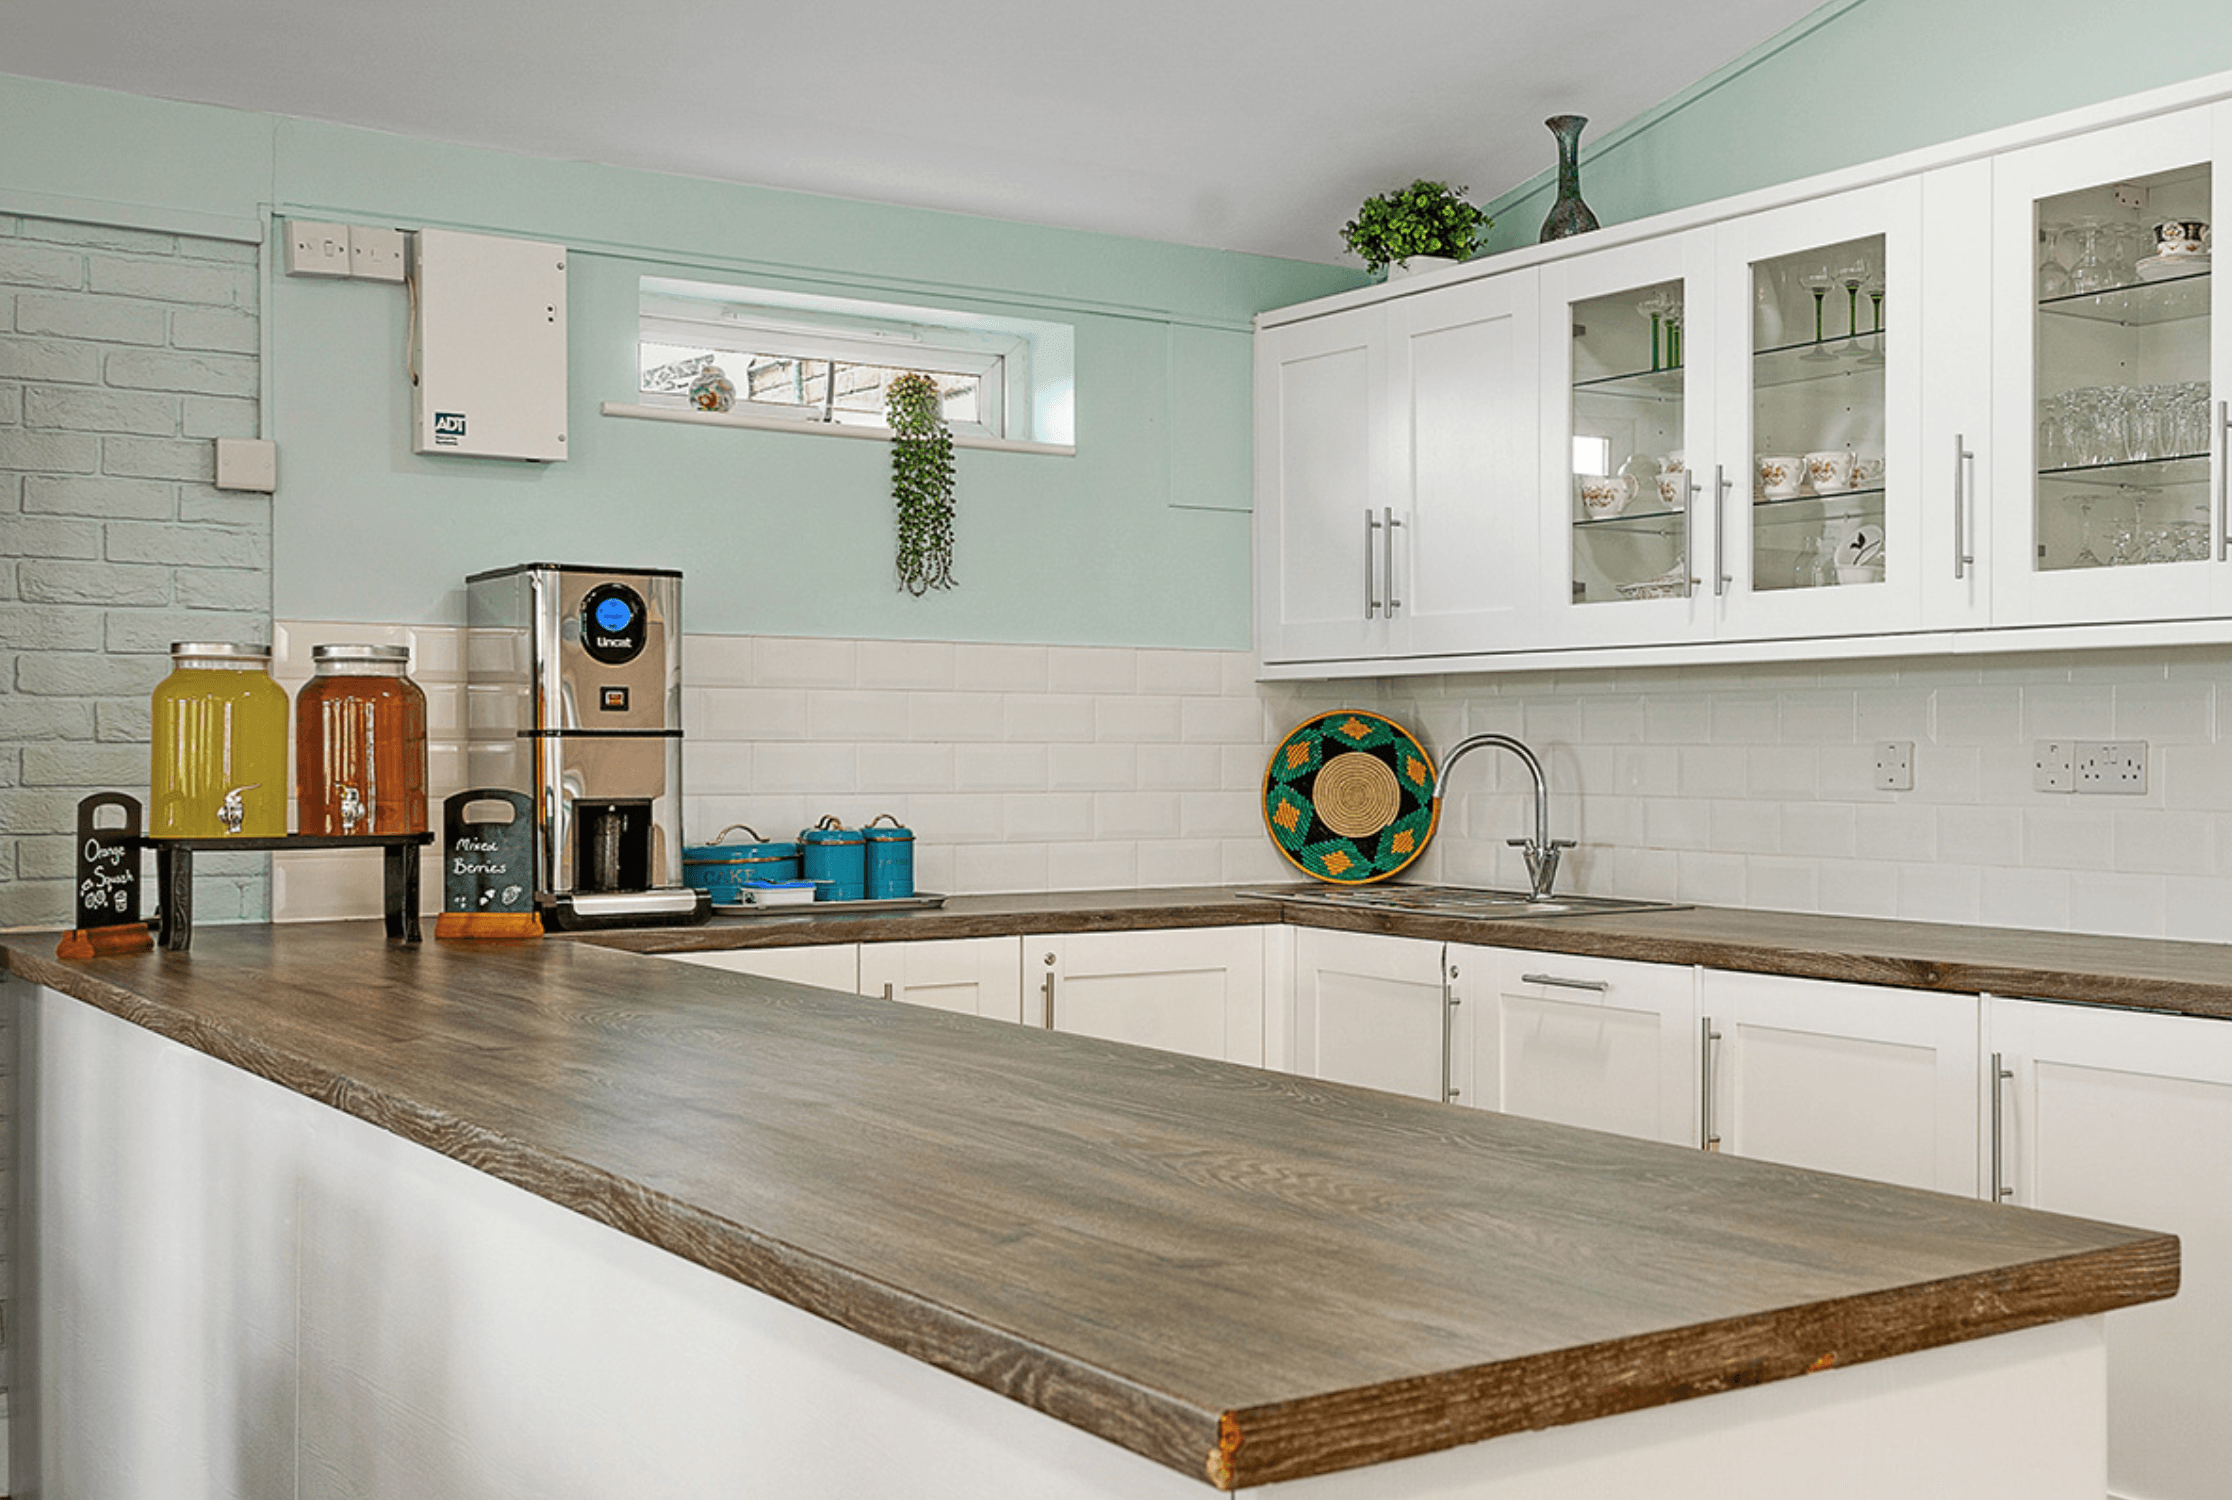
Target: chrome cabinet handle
[(887, 989), (1046, 995), (1721, 577), (1599, 985), (1964, 495), (1371, 544), (1450, 1002), (2223, 460), (1708, 1136), (2001, 1188), (1387, 560), (1689, 530)]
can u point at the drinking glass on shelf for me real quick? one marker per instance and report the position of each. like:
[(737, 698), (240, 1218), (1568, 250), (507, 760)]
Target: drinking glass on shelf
[(2053, 276), (1674, 333), (2092, 272), (1655, 308), (1819, 276), (1856, 267), (2086, 557)]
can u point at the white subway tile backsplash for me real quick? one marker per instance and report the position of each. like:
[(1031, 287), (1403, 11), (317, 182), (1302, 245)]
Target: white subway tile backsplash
[(980, 717), (2015, 896), (1821, 830), (904, 767), (1104, 865), (1220, 721), (989, 668), (2129, 904), (1860, 888), (1048, 817), (2066, 711), (1891, 713), (861, 715), (1192, 768), (956, 818), (1781, 773), (905, 664), (1712, 771), (2073, 838), (2159, 843), (1746, 718), (1941, 893), (1895, 831), (1000, 867), (1979, 715), (1092, 669), (1747, 827), (810, 768), (2165, 711), (1053, 717), (1187, 673), (1213, 815), (1980, 836), (1138, 720), (1000, 768), (1136, 815), (1713, 879), (800, 661), (750, 713)]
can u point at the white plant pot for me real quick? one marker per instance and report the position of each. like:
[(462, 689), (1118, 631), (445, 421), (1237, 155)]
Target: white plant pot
[(1418, 265)]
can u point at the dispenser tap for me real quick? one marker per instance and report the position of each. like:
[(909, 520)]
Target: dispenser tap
[(1542, 850)]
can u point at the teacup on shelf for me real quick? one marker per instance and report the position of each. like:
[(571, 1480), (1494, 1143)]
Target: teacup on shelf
[(1867, 471), (1604, 496), (1673, 488), (1780, 477), (1830, 470)]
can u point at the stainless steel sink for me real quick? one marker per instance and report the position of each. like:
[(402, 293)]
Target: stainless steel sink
[(1452, 901)]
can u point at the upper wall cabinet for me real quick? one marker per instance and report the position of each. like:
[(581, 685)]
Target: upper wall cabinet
[(1897, 411), (2111, 360), (1397, 440)]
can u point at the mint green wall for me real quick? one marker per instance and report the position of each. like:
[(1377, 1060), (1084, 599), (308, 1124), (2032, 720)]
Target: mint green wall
[(1863, 79), (1142, 538)]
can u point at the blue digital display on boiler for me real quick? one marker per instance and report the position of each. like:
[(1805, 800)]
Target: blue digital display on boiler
[(613, 613), (615, 625)]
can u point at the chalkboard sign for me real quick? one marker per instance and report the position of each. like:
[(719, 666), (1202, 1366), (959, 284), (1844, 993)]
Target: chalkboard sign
[(108, 861), (488, 866)]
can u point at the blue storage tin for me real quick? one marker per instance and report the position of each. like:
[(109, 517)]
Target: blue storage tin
[(837, 854), (890, 858), (721, 869)]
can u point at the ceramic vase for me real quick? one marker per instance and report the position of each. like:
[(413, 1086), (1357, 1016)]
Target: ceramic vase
[(1569, 215)]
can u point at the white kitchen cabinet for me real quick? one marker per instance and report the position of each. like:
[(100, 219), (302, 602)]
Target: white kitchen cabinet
[(832, 966), (971, 976), (1861, 1079), (1395, 465), (1606, 1044), (1375, 1010), (1196, 990), (2117, 516), (2124, 1116)]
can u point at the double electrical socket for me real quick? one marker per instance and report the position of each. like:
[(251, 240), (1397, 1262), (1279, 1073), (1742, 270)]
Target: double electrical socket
[(2094, 767), (358, 250)]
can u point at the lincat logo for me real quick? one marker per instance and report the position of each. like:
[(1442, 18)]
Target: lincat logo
[(449, 427)]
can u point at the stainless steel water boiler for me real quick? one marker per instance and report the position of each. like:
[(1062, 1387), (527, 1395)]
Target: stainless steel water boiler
[(574, 697)]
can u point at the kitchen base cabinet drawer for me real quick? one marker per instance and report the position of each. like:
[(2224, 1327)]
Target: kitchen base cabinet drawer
[(1605, 1044), (833, 966), (2111, 1114), (1196, 990), (971, 976), (1860, 1079)]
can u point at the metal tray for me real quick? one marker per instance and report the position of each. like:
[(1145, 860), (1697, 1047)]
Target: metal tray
[(923, 901)]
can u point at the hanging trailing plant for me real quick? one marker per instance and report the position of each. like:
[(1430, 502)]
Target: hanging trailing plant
[(921, 483)]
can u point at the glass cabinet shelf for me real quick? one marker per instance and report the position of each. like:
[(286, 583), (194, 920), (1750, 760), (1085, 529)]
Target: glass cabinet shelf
[(2134, 474), (1813, 510), (2140, 304), (1648, 385), (1836, 358), (1633, 519)]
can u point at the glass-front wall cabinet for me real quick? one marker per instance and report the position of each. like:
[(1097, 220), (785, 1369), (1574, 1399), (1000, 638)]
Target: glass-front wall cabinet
[(1818, 358), (2103, 272), (1628, 340)]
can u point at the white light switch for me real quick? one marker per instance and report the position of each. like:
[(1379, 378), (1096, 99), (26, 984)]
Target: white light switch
[(317, 249), (375, 254)]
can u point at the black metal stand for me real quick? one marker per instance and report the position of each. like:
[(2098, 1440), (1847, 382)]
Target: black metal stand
[(174, 876)]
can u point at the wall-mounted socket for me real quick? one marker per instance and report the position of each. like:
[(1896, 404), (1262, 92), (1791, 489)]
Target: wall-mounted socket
[(2114, 768), (2053, 766), (375, 254), (317, 249), (1894, 766)]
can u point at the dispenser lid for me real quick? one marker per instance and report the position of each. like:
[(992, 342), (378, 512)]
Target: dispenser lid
[(398, 655), (221, 650)]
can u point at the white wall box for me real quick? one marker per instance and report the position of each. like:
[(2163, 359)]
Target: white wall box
[(1852, 1078), (2000, 409), (489, 346), (2125, 1116), (1603, 1043), (1196, 990)]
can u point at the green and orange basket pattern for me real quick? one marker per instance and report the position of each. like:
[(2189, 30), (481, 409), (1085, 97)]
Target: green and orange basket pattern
[(1349, 797)]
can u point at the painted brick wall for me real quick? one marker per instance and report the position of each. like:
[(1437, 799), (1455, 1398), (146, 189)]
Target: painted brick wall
[(122, 353)]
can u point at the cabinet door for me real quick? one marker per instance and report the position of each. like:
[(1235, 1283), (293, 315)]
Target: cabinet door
[(1375, 1010), (1192, 990), (1852, 1078), (833, 966), (2110, 378), (1602, 1043), (1323, 497), (974, 976), (2127, 1117), (1959, 447), (1629, 403), (1465, 382), (1821, 410)]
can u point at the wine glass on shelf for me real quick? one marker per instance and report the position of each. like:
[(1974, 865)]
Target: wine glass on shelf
[(1874, 289), (2086, 557), (2092, 272), (1819, 276), (1673, 333), (1854, 269), (1655, 308)]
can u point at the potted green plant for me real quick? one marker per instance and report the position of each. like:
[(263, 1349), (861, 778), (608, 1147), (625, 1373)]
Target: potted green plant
[(921, 482), (1425, 220)]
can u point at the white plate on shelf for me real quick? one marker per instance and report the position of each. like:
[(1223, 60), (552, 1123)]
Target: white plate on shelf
[(2169, 267)]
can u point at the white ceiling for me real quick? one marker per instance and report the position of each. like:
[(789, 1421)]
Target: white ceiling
[(1240, 124)]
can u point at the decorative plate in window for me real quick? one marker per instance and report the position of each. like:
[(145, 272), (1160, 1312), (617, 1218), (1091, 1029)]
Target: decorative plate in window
[(1349, 797)]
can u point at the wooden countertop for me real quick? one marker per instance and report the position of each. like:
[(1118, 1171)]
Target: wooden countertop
[(2138, 973), (1243, 1275)]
